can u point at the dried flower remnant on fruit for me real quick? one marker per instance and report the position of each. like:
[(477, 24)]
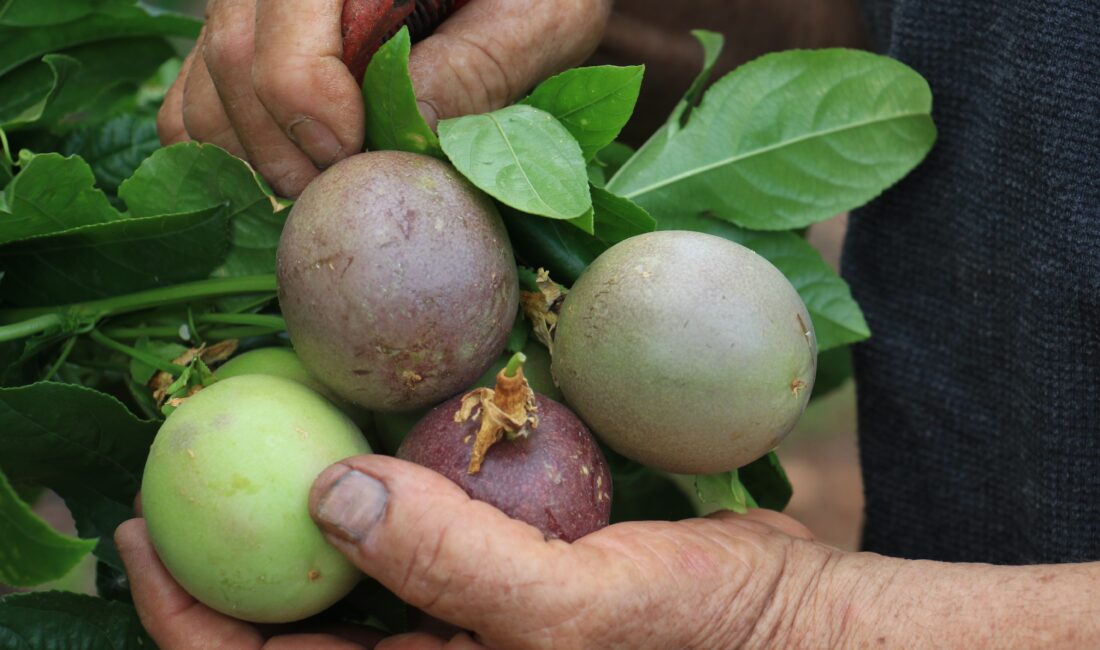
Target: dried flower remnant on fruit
[(541, 307), (210, 355), (507, 411)]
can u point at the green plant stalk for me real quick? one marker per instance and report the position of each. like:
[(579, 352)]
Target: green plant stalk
[(29, 321), (144, 357), (61, 358), (514, 364), (29, 327), (267, 321)]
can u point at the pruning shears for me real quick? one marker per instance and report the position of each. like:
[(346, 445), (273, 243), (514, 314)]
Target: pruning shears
[(366, 24)]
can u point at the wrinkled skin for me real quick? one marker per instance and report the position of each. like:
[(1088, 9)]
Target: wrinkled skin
[(555, 478), (225, 495), (396, 279), (686, 352)]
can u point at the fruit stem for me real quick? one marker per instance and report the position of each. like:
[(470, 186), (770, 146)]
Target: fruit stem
[(514, 364), (508, 410)]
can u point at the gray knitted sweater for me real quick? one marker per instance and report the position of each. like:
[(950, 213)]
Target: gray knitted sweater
[(979, 392)]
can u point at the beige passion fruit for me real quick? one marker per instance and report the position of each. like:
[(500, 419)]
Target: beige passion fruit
[(685, 351)]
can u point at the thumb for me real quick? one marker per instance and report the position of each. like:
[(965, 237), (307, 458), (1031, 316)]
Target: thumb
[(458, 559), (493, 51)]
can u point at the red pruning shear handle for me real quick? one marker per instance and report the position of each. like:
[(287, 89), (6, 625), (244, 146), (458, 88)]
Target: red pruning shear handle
[(366, 24)]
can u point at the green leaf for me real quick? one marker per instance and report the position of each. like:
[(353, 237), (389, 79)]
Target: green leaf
[(189, 177), (393, 120), (586, 222), (114, 149), (55, 619), (108, 259), (31, 552), (651, 151), (26, 92), (610, 159), (592, 103), (52, 194), (787, 140), (834, 369), (40, 13), (522, 157), (557, 246), (837, 318), (82, 444), (648, 495), (26, 42), (766, 481), (618, 218), (107, 70), (725, 490)]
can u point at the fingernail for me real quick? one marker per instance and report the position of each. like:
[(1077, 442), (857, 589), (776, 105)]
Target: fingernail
[(352, 505), (317, 141)]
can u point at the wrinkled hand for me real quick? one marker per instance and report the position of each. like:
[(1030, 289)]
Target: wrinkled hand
[(265, 80), (722, 581)]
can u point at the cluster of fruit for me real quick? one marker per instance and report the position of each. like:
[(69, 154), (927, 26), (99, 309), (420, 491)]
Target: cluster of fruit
[(681, 350)]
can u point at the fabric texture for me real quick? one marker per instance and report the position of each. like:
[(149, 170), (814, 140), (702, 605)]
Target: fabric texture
[(979, 391)]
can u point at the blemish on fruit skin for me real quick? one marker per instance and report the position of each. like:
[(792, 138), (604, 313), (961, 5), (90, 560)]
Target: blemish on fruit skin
[(314, 575), (797, 386), (191, 454)]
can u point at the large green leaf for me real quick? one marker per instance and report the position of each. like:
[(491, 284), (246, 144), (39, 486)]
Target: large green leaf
[(84, 445), (40, 13), (788, 139), (393, 120), (26, 92), (836, 316), (114, 149), (652, 149), (522, 157), (52, 194), (26, 42), (189, 177), (592, 103), (56, 620), (31, 552), (107, 68), (108, 259)]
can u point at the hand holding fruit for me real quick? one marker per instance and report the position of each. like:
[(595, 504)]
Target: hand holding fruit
[(722, 581), (265, 80)]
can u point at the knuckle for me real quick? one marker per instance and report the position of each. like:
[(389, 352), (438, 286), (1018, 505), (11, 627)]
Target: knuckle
[(227, 48)]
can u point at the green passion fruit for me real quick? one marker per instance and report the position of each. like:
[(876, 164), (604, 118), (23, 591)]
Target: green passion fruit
[(685, 352), (225, 495)]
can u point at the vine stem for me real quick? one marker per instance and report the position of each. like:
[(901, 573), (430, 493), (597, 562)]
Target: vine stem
[(29, 321), (29, 327), (514, 364)]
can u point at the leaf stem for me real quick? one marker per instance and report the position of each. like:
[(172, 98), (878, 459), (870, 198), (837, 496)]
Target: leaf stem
[(268, 321), (29, 327), (134, 353)]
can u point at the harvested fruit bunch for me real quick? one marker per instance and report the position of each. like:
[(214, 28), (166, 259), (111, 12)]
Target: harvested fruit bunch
[(396, 279), (524, 453)]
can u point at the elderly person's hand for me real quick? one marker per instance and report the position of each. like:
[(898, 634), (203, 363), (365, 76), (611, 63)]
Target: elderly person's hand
[(725, 581), (265, 80)]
